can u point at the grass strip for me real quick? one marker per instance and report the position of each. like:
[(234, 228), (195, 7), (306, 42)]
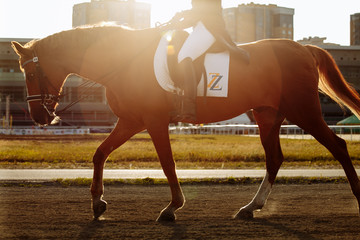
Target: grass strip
[(189, 151), (86, 182)]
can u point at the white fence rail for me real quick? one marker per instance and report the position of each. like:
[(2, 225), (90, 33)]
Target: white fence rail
[(350, 132), (44, 131)]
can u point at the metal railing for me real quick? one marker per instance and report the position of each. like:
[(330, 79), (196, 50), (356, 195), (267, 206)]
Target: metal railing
[(349, 132)]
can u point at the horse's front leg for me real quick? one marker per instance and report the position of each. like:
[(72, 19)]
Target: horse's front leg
[(97, 188), (120, 134), (159, 133)]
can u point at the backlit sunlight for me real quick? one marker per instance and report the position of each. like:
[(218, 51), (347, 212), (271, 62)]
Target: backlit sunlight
[(163, 11), (40, 18)]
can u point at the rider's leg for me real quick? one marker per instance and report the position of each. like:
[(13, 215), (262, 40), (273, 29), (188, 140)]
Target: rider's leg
[(188, 103), (198, 42), (218, 29), (238, 52)]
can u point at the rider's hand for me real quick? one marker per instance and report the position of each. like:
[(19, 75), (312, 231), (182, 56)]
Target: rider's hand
[(181, 16), (183, 19)]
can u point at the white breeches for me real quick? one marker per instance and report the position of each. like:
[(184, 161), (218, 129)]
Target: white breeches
[(197, 43)]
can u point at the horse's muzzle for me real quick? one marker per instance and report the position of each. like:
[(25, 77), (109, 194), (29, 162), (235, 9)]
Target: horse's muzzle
[(44, 118)]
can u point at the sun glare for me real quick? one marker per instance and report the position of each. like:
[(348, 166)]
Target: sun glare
[(56, 15), (163, 10)]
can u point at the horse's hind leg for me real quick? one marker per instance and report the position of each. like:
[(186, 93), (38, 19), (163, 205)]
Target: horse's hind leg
[(269, 121), (317, 127), (120, 134)]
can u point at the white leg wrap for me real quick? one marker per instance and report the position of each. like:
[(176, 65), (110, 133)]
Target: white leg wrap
[(261, 196)]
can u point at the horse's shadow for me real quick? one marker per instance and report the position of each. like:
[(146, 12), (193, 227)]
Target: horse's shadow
[(90, 229), (302, 235), (179, 230)]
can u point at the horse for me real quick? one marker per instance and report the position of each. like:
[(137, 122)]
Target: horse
[(281, 81)]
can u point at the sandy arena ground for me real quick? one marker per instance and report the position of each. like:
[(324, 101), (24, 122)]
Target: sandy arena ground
[(317, 211)]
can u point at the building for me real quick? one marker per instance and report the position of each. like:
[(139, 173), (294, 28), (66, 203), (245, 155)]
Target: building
[(130, 13), (252, 22), (355, 29), (316, 41), (12, 83)]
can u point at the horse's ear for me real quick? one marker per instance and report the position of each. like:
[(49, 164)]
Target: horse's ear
[(19, 49)]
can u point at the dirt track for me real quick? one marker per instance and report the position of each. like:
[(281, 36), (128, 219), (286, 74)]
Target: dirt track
[(317, 211)]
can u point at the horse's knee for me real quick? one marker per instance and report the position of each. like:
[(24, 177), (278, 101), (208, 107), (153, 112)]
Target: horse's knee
[(341, 142), (99, 157)]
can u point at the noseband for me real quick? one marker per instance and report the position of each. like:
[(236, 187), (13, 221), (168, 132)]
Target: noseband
[(46, 99)]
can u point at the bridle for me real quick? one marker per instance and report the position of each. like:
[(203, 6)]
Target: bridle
[(47, 100)]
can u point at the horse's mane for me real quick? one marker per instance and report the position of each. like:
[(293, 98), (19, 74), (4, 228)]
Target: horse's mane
[(76, 36)]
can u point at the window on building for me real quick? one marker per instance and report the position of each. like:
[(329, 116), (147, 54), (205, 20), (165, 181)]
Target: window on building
[(94, 94), (17, 94), (86, 94), (9, 66), (282, 20)]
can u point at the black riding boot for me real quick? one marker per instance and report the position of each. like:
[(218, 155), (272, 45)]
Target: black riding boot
[(188, 101)]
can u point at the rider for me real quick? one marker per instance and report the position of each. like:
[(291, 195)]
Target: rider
[(208, 27)]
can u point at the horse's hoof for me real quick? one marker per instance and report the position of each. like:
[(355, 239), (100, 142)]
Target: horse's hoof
[(99, 207), (244, 214), (166, 217)]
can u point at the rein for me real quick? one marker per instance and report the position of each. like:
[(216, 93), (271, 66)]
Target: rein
[(45, 97), (91, 84)]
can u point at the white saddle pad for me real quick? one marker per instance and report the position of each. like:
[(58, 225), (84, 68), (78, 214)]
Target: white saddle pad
[(216, 66)]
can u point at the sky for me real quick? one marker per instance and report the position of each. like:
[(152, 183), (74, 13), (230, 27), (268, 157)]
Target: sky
[(40, 18)]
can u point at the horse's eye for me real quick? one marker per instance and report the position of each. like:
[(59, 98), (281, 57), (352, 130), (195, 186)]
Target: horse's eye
[(31, 76)]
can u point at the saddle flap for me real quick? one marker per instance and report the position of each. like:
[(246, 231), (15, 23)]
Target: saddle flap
[(217, 72)]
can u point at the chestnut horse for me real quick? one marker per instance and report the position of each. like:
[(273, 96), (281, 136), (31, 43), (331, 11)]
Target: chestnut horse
[(281, 81)]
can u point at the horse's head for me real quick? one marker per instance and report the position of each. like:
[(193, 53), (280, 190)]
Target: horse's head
[(42, 95)]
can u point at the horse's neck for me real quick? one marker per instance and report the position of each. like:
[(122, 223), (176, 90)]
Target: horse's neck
[(100, 54), (74, 51)]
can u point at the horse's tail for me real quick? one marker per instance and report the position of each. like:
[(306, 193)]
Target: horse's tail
[(332, 82)]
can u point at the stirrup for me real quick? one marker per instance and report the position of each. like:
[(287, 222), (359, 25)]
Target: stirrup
[(187, 111)]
